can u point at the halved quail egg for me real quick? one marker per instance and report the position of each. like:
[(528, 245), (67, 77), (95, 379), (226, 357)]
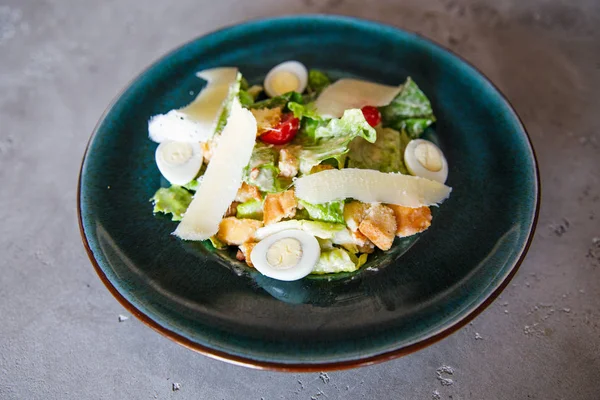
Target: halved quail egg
[(286, 77), (287, 255), (179, 162), (425, 159)]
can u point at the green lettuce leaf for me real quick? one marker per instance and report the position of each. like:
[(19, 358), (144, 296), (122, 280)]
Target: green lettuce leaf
[(301, 214), (328, 212), (310, 121), (216, 243), (262, 170), (334, 261), (252, 209), (243, 83), (234, 90), (322, 230), (317, 81), (193, 185), (352, 123), (303, 110), (410, 111), (173, 200), (385, 155), (279, 101), (332, 140), (246, 98)]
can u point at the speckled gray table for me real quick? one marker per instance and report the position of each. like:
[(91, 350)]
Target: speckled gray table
[(62, 61)]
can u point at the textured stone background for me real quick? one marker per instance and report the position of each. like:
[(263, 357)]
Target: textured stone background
[(62, 61)]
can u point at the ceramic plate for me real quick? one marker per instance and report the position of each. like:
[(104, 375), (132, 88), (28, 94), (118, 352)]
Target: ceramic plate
[(426, 288)]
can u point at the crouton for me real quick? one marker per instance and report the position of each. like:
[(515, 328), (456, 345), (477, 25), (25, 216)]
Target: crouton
[(244, 251), (354, 213), (247, 192), (320, 167), (207, 149), (289, 161), (410, 221), (278, 206), (266, 118), (232, 210), (234, 231), (363, 243), (379, 225)]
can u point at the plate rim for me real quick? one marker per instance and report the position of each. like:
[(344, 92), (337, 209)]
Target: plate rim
[(319, 366)]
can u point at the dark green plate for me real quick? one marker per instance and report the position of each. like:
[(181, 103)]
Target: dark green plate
[(425, 289)]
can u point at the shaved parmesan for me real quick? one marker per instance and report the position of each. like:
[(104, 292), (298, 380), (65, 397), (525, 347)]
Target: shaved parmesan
[(222, 178), (197, 121), (370, 186), (353, 93)]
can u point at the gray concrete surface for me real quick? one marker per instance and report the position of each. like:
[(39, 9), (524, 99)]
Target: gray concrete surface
[(62, 61)]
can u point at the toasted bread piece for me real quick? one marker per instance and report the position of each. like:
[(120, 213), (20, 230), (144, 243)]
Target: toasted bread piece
[(266, 118), (234, 231), (379, 225), (320, 167), (354, 213), (232, 210), (207, 149), (363, 243), (247, 192), (410, 221), (289, 161), (279, 206), (244, 251)]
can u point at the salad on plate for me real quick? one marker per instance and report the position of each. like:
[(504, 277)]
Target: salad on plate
[(304, 175)]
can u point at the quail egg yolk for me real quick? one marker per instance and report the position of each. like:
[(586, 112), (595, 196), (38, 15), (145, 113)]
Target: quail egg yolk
[(176, 153), (429, 157), (284, 81), (284, 253)]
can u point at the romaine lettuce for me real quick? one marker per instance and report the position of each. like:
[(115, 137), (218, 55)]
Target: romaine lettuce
[(385, 155), (216, 243), (310, 121), (332, 140), (234, 90), (323, 230), (262, 170), (279, 101), (410, 111), (246, 98), (328, 212), (303, 110), (173, 200), (317, 81), (251, 209), (193, 185), (337, 260)]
